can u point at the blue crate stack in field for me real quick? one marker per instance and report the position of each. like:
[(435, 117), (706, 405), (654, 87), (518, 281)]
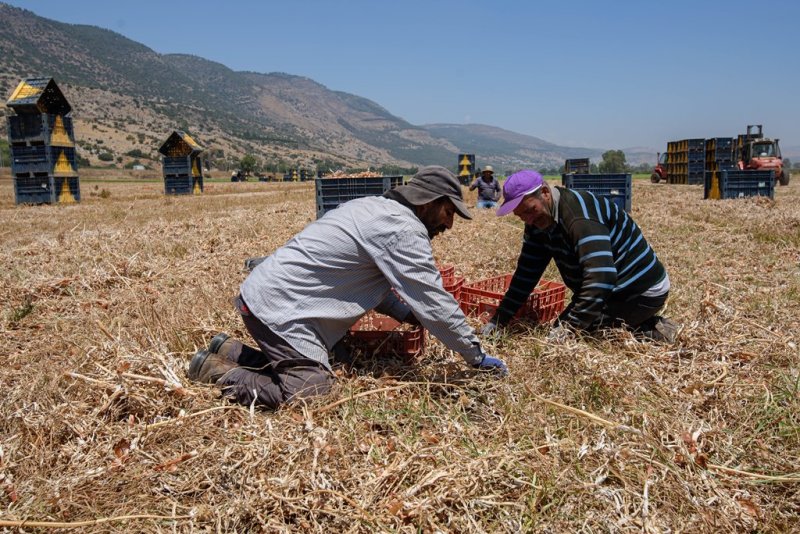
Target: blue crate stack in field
[(41, 140), (725, 184), (686, 161), (466, 168), (181, 164), (332, 192), (616, 187), (720, 154)]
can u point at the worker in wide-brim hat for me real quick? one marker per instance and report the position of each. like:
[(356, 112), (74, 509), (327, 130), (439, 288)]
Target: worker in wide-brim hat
[(488, 188), (298, 303)]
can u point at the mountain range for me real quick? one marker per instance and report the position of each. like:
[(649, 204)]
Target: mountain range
[(127, 99)]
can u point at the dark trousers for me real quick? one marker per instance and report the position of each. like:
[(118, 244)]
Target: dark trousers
[(274, 375), (636, 312)]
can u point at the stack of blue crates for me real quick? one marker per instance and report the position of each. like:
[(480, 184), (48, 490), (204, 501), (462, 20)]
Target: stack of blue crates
[(739, 184), (696, 161), (719, 154), (332, 192), (41, 139), (181, 164), (616, 187)]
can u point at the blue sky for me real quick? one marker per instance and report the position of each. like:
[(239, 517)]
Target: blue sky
[(606, 74)]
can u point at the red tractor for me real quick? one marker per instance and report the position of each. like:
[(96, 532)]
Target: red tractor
[(756, 152), (660, 172)]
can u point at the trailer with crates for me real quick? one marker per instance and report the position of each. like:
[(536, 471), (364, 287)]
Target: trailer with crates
[(617, 188), (687, 161), (41, 141), (182, 168)]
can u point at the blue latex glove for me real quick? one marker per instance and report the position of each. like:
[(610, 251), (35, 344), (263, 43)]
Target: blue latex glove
[(490, 363)]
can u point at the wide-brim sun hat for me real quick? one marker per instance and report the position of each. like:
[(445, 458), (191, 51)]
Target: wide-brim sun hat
[(433, 182), (517, 187)]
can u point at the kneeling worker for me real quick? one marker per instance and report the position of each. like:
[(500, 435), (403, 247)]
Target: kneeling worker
[(300, 301), (614, 274)]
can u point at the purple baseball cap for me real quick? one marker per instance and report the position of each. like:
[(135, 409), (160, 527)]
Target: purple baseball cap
[(517, 186)]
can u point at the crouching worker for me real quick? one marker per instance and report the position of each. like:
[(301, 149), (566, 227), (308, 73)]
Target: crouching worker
[(300, 301), (614, 274)]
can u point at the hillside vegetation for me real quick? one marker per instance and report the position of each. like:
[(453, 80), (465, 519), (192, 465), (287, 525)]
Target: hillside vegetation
[(127, 97)]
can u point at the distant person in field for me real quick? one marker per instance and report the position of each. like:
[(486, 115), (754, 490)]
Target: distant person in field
[(488, 188), (614, 274), (300, 301)]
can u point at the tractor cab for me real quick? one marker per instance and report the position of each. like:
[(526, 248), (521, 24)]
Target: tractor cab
[(757, 152)]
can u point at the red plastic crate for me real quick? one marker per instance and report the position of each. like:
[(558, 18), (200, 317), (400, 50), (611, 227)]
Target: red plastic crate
[(377, 335), (447, 270), (482, 299), (453, 285)]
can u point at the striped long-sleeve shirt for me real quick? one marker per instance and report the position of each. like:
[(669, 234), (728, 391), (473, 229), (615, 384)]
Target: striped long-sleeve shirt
[(312, 289), (600, 253)]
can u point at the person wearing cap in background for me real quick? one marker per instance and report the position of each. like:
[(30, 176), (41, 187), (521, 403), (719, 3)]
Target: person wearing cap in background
[(488, 188), (614, 274), (300, 301)]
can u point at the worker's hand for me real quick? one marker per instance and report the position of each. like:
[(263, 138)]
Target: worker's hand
[(489, 329), (490, 363), (559, 334)]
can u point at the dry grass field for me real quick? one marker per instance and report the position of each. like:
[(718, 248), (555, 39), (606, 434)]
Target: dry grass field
[(103, 303)]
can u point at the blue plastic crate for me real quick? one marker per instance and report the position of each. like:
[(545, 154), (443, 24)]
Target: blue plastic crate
[(177, 165), (695, 145), (466, 168), (42, 160), (739, 184), (576, 166), (696, 166), (332, 192), (66, 189), (615, 187), (46, 189), (695, 177), (33, 190), (181, 185)]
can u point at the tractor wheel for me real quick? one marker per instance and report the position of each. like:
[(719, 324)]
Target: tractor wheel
[(785, 176), (655, 178)]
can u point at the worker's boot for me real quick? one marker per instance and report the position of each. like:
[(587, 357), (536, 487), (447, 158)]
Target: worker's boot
[(664, 330), (207, 367), (224, 345)]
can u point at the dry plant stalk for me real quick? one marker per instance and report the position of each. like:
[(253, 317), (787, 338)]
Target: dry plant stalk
[(104, 302)]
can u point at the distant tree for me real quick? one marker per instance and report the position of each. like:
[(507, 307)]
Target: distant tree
[(613, 162), (550, 170), (106, 156), (248, 163)]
